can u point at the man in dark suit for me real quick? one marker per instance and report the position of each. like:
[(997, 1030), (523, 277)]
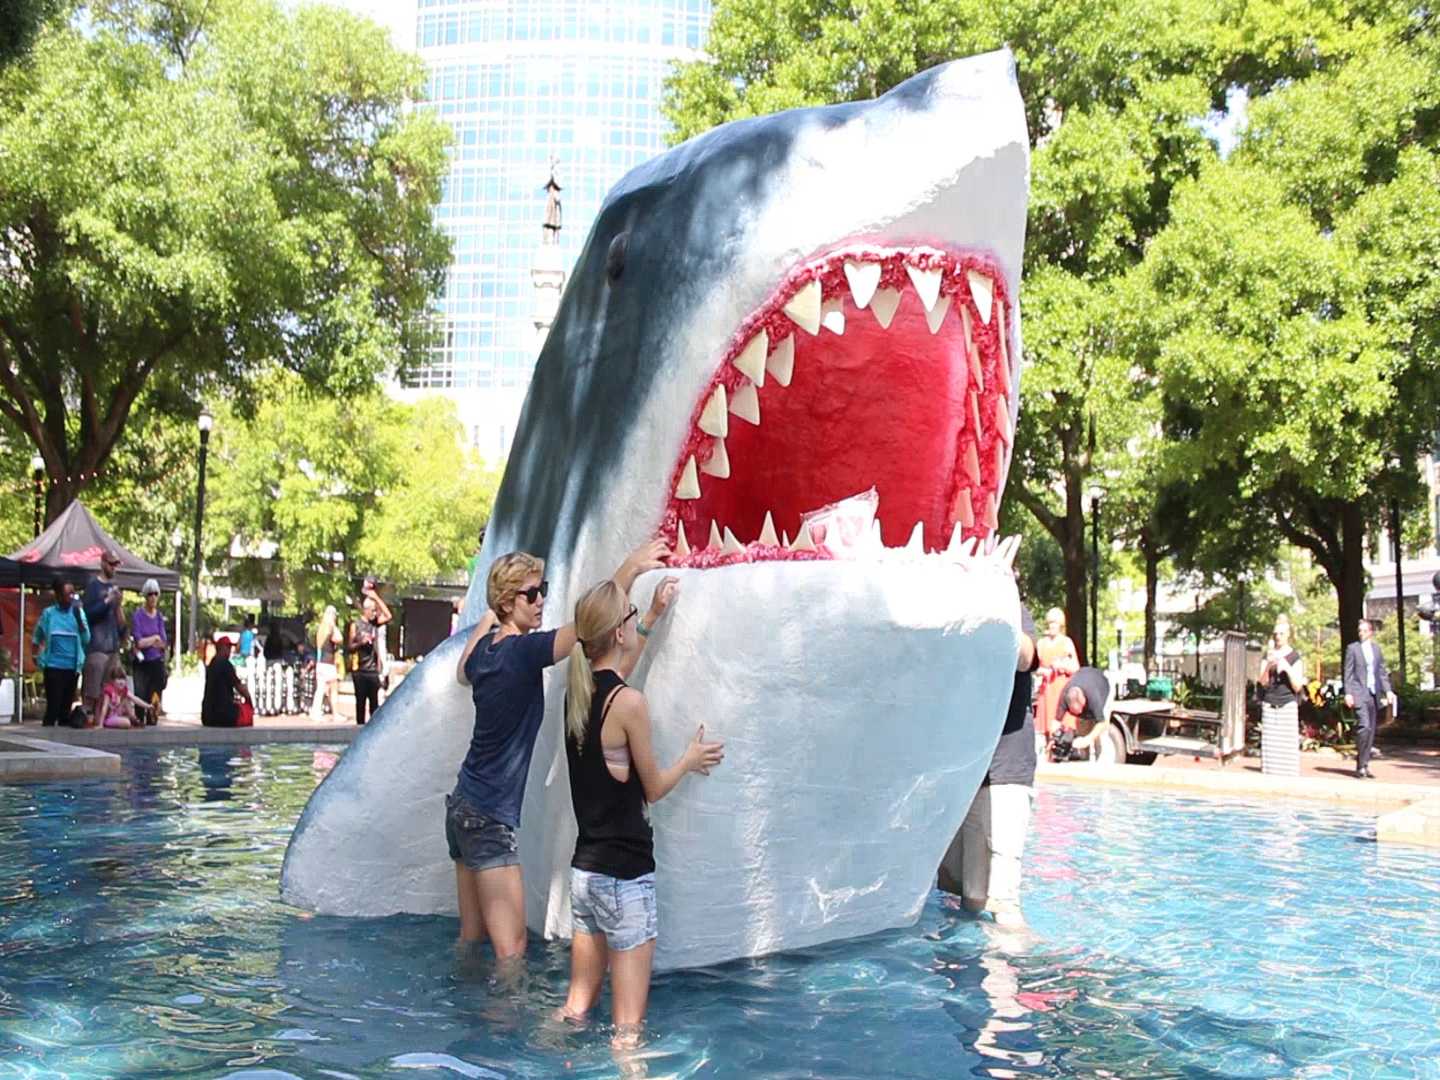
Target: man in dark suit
[(1366, 679)]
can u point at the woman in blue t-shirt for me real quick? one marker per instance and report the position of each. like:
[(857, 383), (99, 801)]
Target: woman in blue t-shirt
[(503, 664)]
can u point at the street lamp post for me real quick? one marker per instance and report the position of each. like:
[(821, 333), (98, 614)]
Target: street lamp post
[(37, 472), (1095, 494), (205, 422)]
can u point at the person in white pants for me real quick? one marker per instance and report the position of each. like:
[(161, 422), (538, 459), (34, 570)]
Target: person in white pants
[(983, 863)]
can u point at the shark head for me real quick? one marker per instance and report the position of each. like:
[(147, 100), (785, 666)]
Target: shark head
[(790, 349), (780, 314)]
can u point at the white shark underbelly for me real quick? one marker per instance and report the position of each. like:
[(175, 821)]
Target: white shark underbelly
[(859, 715)]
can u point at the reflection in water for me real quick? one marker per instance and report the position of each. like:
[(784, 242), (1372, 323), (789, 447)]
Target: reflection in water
[(141, 934), (216, 772)]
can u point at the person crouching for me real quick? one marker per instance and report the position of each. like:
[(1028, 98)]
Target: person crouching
[(613, 775)]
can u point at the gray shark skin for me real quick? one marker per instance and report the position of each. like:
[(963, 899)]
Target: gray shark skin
[(860, 700)]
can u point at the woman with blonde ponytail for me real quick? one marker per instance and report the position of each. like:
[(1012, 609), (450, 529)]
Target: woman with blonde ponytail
[(613, 775), (503, 662)]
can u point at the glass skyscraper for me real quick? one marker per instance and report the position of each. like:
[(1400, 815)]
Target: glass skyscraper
[(526, 86)]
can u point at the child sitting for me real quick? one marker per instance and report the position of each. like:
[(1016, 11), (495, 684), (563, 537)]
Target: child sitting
[(117, 703)]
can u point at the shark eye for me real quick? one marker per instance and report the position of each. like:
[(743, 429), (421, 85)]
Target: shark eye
[(615, 257)]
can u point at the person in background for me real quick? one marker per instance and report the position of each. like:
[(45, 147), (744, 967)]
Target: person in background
[(151, 643), (117, 704), (983, 863), (503, 663), (327, 639), (61, 634), (247, 639), (224, 692), (366, 646), (1058, 661), (1082, 715), (103, 609), (1366, 679), (614, 776), (1281, 679)]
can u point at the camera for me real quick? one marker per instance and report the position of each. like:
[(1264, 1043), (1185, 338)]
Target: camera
[(1062, 746)]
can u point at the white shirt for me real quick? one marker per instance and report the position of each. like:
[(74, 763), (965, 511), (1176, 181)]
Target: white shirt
[(1368, 648)]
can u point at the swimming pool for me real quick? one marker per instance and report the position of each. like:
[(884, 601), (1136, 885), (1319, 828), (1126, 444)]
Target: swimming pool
[(141, 935)]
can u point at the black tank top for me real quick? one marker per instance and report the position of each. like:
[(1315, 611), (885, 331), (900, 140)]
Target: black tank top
[(615, 837)]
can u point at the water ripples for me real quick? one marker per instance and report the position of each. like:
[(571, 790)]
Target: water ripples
[(141, 935)]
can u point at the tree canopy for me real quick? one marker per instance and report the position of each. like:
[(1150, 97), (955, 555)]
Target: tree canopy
[(192, 191), (366, 485)]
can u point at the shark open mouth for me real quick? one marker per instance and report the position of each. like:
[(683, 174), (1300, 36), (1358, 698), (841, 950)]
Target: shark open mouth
[(868, 368)]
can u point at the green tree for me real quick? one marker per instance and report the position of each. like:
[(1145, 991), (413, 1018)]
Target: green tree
[(191, 190), (1292, 309), (20, 21), (364, 486)]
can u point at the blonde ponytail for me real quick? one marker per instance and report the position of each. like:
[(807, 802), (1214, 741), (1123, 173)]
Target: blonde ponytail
[(598, 614), (582, 689)]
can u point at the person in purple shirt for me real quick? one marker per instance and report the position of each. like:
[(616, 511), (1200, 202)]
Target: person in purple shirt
[(147, 632), (503, 663)]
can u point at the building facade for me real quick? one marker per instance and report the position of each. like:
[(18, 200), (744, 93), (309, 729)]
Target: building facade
[(569, 89)]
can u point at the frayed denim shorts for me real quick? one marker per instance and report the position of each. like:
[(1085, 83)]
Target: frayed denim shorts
[(623, 910), (475, 839)]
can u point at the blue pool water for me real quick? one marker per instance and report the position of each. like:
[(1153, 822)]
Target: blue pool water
[(141, 935)]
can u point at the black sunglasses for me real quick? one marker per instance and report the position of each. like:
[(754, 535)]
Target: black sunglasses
[(630, 614), (535, 592)]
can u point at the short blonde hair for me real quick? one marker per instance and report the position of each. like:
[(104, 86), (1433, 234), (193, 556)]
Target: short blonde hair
[(507, 575)]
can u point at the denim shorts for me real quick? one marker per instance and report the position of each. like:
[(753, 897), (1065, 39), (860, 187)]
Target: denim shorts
[(623, 910), (479, 841)]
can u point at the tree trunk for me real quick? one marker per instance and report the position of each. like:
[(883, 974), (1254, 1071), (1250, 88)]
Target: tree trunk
[(1152, 589), (1350, 588), (58, 495)]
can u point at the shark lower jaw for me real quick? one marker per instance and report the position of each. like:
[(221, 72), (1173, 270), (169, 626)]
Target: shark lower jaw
[(889, 369)]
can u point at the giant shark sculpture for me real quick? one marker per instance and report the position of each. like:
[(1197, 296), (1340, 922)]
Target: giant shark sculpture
[(765, 321)]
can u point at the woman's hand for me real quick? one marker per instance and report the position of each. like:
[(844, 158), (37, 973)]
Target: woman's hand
[(660, 601), (648, 556), (702, 756)]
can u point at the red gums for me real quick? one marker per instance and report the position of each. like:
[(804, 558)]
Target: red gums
[(829, 270)]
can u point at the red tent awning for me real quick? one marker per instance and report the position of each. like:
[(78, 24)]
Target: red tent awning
[(71, 547)]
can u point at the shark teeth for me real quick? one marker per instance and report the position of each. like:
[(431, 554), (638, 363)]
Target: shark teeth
[(718, 463), (833, 316), (731, 546), (927, 284), (803, 540), (982, 289), (767, 532), (804, 307), (689, 485), (781, 363), (883, 305), (745, 403), (751, 360), (715, 541), (863, 278), (682, 546), (935, 316), (715, 420)]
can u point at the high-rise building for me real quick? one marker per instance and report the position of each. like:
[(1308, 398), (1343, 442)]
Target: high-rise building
[(567, 90)]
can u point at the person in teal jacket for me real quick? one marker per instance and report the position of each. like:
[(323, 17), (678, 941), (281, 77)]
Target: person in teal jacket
[(61, 634)]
